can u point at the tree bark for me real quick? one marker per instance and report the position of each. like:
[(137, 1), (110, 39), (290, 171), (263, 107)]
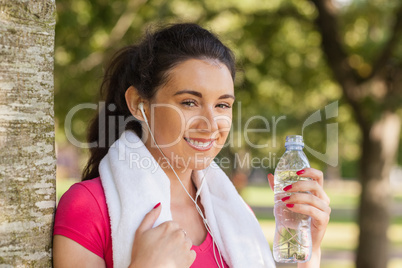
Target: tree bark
[(27, 158), (379, 148), (379, 124)]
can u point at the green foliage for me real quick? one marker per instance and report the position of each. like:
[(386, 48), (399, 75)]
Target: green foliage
[(282, 67)]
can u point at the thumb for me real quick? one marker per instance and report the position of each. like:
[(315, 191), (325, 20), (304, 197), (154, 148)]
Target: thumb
[(150, 218), (271, 181)]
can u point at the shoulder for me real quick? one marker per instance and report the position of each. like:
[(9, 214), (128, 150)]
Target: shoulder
[(84, 197), (90, 187), (82, 216)]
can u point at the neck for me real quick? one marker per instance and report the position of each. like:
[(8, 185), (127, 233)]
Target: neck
[(178, 194)]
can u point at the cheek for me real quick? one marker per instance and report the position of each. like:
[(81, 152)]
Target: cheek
[(170, 124), (224, 125)]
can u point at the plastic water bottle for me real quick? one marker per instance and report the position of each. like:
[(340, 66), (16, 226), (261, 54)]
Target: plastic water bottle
[(292, 241)]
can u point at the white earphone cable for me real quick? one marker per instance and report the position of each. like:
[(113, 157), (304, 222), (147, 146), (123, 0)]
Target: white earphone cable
[(140, 106)]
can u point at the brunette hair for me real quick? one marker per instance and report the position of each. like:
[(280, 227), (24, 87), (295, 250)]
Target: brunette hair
[(145, 66)]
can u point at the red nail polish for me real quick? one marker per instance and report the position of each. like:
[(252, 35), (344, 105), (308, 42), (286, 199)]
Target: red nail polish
[(287, 188), (285, 198), (300, 172), (290, 205), (157, 205)]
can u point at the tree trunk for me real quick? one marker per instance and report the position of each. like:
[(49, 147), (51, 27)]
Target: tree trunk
[(27, 159), (380, 145), (374, 100)]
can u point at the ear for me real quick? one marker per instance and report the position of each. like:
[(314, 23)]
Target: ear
[(132, 100)]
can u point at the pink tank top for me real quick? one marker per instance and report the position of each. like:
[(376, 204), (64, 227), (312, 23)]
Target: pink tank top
[(82, 216)]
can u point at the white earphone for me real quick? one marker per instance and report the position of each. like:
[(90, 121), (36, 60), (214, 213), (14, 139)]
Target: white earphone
[(141, 107)]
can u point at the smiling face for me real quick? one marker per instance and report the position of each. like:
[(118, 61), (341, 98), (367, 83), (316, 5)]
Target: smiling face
[(191, 114)]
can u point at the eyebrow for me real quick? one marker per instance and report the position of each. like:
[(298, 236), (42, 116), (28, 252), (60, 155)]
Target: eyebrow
[(198, 94)]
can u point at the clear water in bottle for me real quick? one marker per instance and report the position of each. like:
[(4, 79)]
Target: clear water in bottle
[(292, 241)]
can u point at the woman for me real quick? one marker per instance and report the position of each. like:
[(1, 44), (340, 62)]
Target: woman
[(154, 197)]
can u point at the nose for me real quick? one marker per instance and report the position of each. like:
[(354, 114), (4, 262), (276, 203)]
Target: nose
[(208, 121), (211, 121), (204, 121)]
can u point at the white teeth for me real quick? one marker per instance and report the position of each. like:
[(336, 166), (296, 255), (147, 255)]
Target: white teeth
[(199, 144)]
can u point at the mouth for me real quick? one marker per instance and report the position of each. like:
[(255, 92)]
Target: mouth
[(200, 144)]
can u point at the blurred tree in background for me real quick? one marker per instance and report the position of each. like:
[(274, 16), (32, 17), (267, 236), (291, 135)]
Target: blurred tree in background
[(296, 57), (368, 67)]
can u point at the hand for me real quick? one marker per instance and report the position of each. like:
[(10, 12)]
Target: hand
[(166, 245), (315, 205)]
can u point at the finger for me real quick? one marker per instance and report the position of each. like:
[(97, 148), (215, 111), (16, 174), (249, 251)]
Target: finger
[(185, 245), (308, 186), (312, 173), (191, 257), (320, 218), (150, 218), (307, 199), (188, 243), (271, 181)]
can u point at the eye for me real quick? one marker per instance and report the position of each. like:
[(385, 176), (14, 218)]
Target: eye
[(224, 106), (189, 103)]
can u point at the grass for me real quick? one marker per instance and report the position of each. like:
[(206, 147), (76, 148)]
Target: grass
[(340, 198), (339, 244), (341, 238)]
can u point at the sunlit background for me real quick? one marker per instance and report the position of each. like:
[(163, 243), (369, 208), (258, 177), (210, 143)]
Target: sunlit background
[(282, 73)]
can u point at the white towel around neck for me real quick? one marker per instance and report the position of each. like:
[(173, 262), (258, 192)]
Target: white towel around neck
[(134, 182)]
